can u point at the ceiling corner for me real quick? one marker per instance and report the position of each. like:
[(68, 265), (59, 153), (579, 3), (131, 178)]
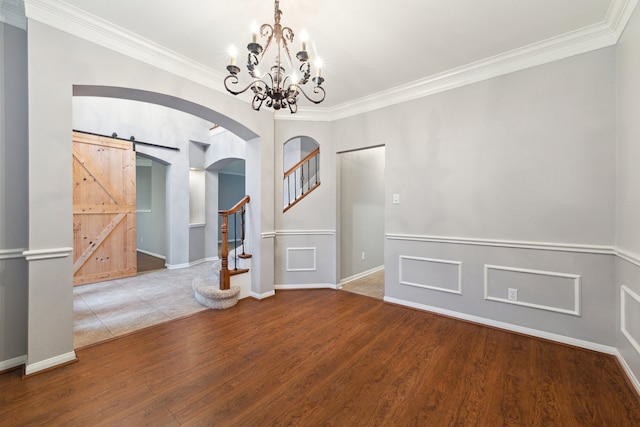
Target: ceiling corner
[(619, 14), (12, 13)]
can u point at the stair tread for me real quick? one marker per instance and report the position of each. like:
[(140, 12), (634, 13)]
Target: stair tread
[(238, 271)]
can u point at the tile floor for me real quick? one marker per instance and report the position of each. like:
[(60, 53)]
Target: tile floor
[(371, 285), (105, 310)]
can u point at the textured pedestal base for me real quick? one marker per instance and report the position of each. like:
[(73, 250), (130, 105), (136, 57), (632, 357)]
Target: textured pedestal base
[(208, 293)]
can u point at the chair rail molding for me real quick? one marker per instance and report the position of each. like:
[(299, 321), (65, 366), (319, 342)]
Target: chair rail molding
[(519, 244), (11, 253), (40, 254)]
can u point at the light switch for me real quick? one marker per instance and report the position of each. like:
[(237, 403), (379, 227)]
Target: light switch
[(396, 198)]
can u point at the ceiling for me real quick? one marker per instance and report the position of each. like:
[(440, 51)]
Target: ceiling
[(367, 47)]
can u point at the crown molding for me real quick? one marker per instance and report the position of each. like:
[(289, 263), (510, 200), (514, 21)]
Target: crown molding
[(67, 18), (619, 14), (12, 13), (77, 22)]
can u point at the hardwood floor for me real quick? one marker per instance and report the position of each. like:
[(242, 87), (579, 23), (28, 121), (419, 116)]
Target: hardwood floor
[(149, 263), (322, 357)]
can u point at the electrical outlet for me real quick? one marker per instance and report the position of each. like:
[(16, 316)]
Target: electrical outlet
[(512, 294), (363, 256)]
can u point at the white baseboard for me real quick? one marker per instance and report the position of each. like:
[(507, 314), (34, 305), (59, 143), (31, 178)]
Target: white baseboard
[(151, 254), (307, 286), (508, 326), (12, 363), (50, 363), (191, 264), (634, 380), (264, 295), (361, 275)]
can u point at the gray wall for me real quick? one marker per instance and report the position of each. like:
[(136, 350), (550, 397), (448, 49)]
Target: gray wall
[(14, 192), (231, 189), (506, 183), (361, 211), (306, 254), (151, 226), (78, 67), (628, 195)]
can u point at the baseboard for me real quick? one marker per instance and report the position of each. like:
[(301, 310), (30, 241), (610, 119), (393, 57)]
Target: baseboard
[(5, 365), (263, 296), (151, 254), (50, 363), (191, 264), (627, 370), (508, 326), (361, 275), (307, 286)]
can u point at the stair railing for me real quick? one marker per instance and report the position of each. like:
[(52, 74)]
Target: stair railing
[(298, 183), (238, 209)]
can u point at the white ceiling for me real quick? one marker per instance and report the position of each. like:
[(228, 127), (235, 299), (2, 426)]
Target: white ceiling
[(367, 47)]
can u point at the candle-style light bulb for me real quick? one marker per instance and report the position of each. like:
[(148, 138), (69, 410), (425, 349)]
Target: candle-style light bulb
[(304, 37), (318, 64), (255, 29), (233, 52)]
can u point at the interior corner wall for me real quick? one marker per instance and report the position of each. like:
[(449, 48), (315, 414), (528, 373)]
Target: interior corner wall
[(628, 196), (13, 195), (504, 183), (59, 64), (305, 241)]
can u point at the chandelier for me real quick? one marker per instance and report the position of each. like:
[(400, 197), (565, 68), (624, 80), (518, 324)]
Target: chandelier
[(279, 89)]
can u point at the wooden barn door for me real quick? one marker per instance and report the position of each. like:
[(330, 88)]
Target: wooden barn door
[(104, 209)]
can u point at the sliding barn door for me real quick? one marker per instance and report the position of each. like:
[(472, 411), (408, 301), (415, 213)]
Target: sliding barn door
[(104, 209)]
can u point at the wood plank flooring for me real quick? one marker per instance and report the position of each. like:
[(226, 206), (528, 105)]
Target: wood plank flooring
[(149, 263), (323, 357)]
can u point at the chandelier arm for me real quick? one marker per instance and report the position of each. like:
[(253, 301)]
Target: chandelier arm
[(266, 30), (305, 69), (316, 89), (234, 81), (287, 37), (257, 102)]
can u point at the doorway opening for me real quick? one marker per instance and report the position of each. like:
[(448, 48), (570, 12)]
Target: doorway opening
[(361, 220)]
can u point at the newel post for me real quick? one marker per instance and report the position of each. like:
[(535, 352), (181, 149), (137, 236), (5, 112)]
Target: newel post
[(225, 277)]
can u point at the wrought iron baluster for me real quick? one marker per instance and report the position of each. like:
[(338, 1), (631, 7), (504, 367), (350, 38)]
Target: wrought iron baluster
[(242, 230), (235, 241)]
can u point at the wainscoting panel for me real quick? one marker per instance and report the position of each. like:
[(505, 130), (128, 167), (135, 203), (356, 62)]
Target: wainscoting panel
[(435, 274), (305, 259), (630, 316), (544, 290), (301, 259), (561, 289)]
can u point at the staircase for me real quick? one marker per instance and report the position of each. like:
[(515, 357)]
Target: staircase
[(215, 290), (301, 179)]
